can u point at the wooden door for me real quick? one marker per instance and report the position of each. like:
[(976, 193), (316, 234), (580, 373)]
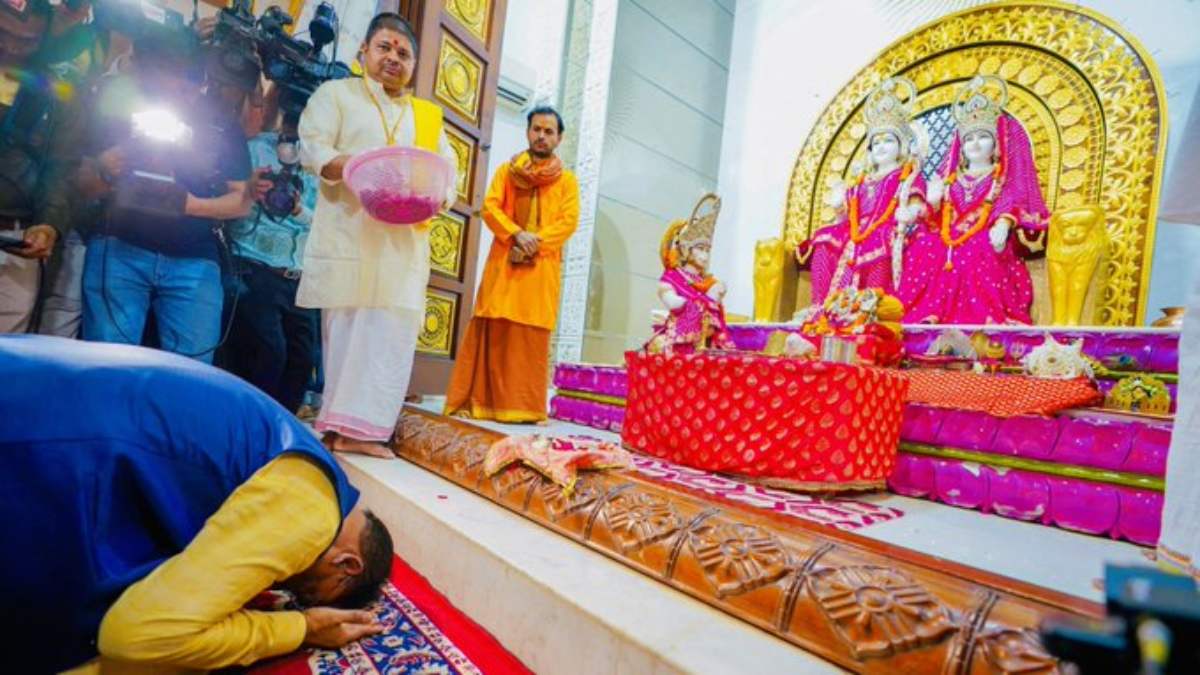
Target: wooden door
[(458, 67)]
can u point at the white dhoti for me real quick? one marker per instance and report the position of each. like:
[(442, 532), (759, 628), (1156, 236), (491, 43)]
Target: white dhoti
[(1179, 543), (368, 358)]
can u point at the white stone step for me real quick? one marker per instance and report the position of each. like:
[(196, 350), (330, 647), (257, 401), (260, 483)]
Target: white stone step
[(558, 606)]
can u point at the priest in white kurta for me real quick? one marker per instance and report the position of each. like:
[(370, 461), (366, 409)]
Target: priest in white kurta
[(367, 278)]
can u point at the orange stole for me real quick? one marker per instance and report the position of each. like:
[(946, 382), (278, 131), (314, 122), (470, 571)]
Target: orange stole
[(502, 372)]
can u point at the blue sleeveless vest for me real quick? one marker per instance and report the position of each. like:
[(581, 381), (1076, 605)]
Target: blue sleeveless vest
[(111, 459)]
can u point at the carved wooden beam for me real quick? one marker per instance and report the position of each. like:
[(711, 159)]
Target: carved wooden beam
[(863, 605)]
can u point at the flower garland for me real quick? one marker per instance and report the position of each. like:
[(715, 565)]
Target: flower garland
[(983, 211), (856, 235)]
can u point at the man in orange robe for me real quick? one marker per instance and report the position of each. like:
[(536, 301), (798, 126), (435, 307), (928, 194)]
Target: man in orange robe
[(532, 206)]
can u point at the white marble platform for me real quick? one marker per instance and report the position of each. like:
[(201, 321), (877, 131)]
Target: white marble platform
[(1065, 561), (558, 606)]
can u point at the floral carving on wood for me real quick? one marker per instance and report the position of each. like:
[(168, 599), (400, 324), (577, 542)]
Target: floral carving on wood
[(559, 504), (512, 479), (637, 519), (1016, 651), (737, 558), (880, 611)]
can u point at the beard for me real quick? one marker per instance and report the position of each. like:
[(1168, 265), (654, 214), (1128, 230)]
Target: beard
[(541, 154)]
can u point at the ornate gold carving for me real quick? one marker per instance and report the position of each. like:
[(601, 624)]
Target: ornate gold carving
[(437, 332), (737, 558), (464, 151), (445, 242), (459, 78), (880, 611), (638, 519), (1076, 242), (1087, 93), (769, 257), (472, 14)]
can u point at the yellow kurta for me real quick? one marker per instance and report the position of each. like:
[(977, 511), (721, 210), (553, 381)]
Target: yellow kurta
[(188, 613), (351, 259), (526, 294)]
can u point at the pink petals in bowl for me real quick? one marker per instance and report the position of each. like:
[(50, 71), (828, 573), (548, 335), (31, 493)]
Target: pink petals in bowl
[(399, 186)]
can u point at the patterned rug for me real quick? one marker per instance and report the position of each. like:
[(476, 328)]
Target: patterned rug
[(840, 512), (425, 635)]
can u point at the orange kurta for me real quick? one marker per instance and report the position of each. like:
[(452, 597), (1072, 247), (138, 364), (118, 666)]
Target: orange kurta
[(526, 294), (502, 369)]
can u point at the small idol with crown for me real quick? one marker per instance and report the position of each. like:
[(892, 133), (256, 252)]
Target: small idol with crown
[(967, 267), (695, 316), (856, 251)]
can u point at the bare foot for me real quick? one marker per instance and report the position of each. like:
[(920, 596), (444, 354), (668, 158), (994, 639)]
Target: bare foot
[(357, 447)]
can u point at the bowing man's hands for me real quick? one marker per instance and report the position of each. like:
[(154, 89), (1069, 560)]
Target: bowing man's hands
[(330, 628)]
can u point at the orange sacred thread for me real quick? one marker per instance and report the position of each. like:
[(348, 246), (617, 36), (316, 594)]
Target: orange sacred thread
[(856, 235)]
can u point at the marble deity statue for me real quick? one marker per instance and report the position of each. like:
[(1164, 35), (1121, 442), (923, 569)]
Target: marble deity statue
[(769, 258), (856, 251), (695, 316), (1075, 245), (966, 267)]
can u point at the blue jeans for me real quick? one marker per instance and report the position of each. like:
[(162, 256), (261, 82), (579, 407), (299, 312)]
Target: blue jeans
[(122, 283)]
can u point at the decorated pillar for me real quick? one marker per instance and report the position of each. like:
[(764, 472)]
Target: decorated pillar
[(591, 27)]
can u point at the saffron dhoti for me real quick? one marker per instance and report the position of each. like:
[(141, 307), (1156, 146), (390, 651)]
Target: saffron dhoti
[(502, 372)]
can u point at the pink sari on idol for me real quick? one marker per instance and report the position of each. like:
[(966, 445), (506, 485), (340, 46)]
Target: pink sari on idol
[(971, 283), (838, 263), (699, 323)]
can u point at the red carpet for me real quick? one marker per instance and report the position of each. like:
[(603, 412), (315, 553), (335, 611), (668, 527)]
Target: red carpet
[(425, 634)]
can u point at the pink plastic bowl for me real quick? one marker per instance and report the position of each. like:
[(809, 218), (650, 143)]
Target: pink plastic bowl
[(399, 186)]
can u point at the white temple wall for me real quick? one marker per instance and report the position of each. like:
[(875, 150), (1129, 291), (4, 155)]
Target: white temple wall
[(661, 153), (530, 68), (790, 58)]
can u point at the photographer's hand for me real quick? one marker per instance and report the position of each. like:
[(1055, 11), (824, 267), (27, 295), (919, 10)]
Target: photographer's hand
[(333, 170), (259, 185), (39, 243)]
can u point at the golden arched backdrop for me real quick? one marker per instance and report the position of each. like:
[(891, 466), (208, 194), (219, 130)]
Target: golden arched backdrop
[(1088, 95)]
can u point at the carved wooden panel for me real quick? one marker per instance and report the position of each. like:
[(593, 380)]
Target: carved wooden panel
[(459, 78), (472, 14), (460, 51), (464, 149), (437, 332), (862, 604), (445, 242)]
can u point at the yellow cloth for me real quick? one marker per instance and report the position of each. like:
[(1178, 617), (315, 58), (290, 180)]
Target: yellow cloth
[(528, 293), (351, 259), (187, 613)]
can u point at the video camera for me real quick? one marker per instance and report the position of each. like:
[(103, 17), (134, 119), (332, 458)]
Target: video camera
[(240, 50), (242, 47), (1152, 627), (247, 46)]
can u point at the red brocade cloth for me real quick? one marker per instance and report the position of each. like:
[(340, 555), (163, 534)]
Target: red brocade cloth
[(424, 634), (803, 425), (999, 395)]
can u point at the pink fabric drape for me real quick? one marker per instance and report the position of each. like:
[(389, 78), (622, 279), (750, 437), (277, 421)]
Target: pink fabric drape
[(685, 327), (870, 264), (982, 286)]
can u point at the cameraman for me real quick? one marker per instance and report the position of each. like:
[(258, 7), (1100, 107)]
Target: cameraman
[(46, 55), (160, 252), (272, 340)]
